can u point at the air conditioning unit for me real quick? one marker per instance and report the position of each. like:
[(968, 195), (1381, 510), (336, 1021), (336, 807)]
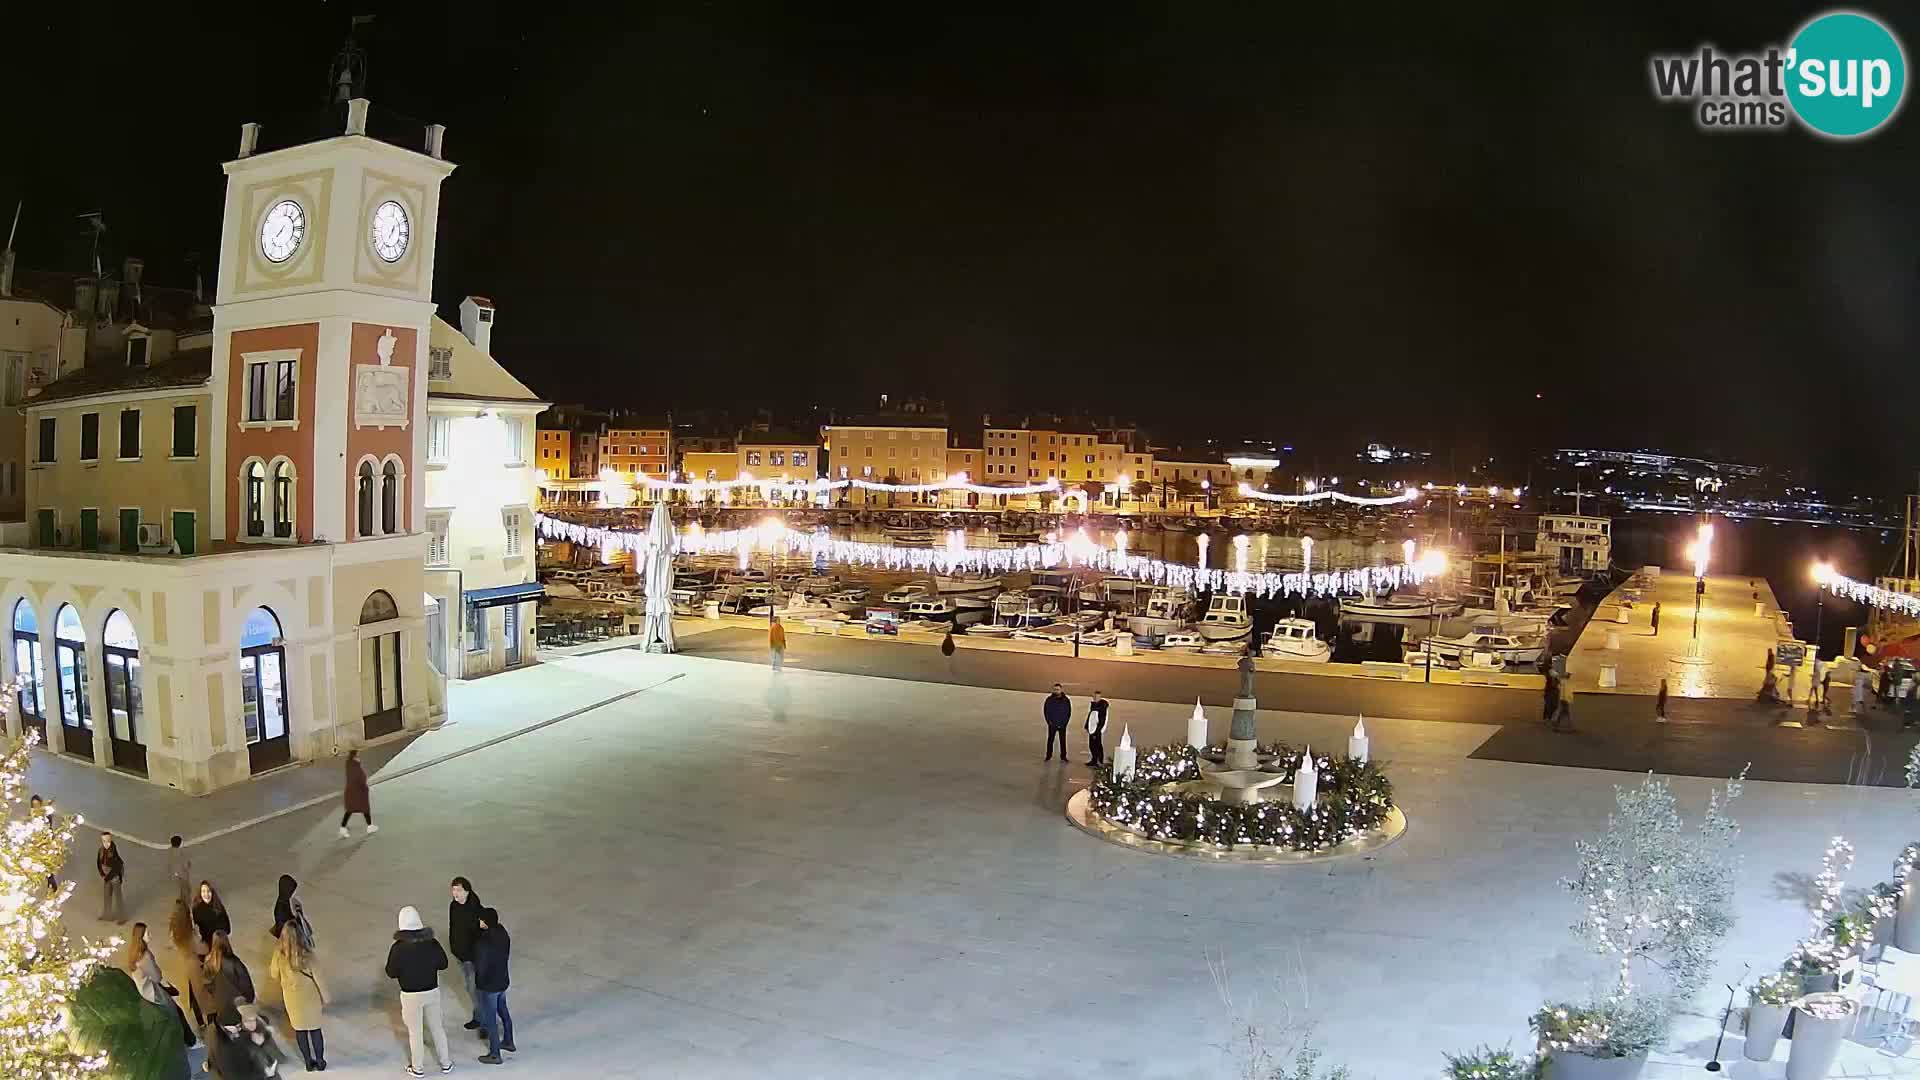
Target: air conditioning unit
[(152, 538)]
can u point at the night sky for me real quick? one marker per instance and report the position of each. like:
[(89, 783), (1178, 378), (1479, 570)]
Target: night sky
[(1328, 227)]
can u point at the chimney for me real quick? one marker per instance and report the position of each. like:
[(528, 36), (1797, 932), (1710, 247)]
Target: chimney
[(249, 138), (131, 271), (85, 290), (476, 321), (436, 138), (357, 115)]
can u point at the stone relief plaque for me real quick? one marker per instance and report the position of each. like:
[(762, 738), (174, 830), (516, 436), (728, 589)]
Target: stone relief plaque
[(382, 393)]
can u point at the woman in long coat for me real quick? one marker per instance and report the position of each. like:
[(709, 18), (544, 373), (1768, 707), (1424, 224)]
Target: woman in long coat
[(304, 993), (356, 799)]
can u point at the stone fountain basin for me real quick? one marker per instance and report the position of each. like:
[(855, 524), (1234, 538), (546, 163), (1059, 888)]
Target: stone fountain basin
[(1241, 785)]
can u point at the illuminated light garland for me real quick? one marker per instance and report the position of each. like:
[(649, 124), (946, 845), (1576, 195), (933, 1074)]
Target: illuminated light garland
[(1075, 551), (1872, 595), (1409, 495), (956, 482)]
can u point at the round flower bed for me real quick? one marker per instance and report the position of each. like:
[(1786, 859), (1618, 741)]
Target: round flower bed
[(1354, 798)]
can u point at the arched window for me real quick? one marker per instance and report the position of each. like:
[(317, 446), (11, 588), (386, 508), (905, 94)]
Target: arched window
[(378, 608), (365, 498), (120, 649), (263, 691), (26, 662), (70, 668), (256, 480), (283, 499), (390, 498)]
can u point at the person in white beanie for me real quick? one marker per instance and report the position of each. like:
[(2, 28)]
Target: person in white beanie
[(415, 961)]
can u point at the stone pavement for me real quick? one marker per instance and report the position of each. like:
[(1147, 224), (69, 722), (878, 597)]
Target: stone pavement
[(742, 874), (1732, 638)]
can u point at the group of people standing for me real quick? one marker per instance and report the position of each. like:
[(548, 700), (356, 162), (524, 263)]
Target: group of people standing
[(482, 947), (1058, 712)]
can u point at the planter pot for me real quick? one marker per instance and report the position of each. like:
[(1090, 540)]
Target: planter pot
[(1817, 1039), (1764, 1025), (1563, 1066), (1906, 921)]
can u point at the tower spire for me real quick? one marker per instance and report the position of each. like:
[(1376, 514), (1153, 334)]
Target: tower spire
[(347, 76)]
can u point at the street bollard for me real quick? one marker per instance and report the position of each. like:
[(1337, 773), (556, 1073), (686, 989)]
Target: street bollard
[(1613, 640), (1609, 676)]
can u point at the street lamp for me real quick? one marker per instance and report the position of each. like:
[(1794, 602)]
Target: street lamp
[(1432, 565), (1700, 551), (1206, 489), (1822, 574)]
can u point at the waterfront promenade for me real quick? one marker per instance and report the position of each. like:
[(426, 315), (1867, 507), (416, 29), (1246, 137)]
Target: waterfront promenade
[(1734, 640)]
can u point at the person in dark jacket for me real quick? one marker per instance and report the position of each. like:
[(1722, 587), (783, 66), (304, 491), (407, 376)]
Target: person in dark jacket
[(288, 910), (113, 876), (491, 949), (230, 1058), (232, 982), (1059, 713), (415, 961), (356, 797), (210, 916), (1096, 727), (463, 922), (1551, 705)]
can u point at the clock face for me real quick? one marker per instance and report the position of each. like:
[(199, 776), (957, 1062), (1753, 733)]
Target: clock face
[(282, 230), (390, 231)]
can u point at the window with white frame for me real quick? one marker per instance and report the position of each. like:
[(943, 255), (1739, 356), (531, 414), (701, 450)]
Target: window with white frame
[(271, 391), (777, 457), (753, 457), (439, 439), (437, 551), (800, 458), (440, 362), (476, 628), (516, 439), (514, 520)]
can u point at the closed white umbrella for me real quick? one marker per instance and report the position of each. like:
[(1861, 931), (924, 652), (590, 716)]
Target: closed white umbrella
[(660, 540)]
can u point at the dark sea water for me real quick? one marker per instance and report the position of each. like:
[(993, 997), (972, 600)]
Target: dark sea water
[(1782, 553)]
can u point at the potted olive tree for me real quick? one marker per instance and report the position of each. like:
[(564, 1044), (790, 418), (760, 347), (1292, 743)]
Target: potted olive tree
[(1656, 901), (1767, 1003), (1906, 923), (1487, 1063)]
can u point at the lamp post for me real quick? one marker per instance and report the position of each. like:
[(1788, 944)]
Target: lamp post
[(1206, 490), (1822, 573), (1701, 550)]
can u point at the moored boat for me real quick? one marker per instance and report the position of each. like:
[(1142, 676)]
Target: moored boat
[(1296, 639), (1226, 618)]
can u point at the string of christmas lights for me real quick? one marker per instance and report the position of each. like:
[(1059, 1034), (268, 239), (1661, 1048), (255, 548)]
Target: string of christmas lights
[(1247, 491), (1075, 552), (956, 482), (1872, 595)]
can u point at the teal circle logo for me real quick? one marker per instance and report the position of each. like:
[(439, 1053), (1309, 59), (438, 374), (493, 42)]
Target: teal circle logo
[(1846, 74)]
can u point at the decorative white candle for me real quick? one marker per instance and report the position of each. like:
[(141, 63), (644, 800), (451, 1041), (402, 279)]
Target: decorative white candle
[(1197, 727), (1357, 742), (1306, 781), (1240, 552), (1124, 756), (1204, 541), (1306, 555)]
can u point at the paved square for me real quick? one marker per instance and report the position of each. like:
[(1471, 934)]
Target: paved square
[(737, 874)]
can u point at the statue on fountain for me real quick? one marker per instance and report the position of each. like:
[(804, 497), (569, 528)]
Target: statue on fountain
[(1243, 737)]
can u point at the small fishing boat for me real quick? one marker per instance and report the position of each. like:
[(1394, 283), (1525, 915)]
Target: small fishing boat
[(911, 538), (964, 583), (1296, 639), (1484, 641), (1226, 618), (1021, 609), (994, 630), (1165, 613), (1397, 606), (799, 606), (1187, 641), (848, 601), (908, 593), (931, 609)]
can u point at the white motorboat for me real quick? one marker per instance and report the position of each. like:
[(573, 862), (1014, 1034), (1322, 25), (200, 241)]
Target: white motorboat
[(1165, 613), (1396, 607), (751, 573), (1187, 641), (996, 630), (1054, 582), (1099, 638), (964, 583), (847, 600), (739, 599), (1021, 609), (931, 609), (1225, 648), (908, 593), (799, 606), (1226, 618), (1508, 649), (1296, 639), (971, 608)]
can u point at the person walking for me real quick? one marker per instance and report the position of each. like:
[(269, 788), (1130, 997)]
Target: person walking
[(492, 947), (356, 798), (415, 961), (1058, 711), (1859, 703), (288, 911), (1818, 686), (180, 868), (776, 642), (113, 876), (463, 922), (38, 812), (304, 994), (232, 982), (210, 916), (946, 649), (1551, 705), (1660, 704), (1656, 618), (1096, 726), (187, 951)]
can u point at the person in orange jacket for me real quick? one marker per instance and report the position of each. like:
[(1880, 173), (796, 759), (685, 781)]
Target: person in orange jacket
[(776, 643)]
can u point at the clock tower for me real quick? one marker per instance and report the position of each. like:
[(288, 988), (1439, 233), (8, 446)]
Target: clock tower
[(319, 389)]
